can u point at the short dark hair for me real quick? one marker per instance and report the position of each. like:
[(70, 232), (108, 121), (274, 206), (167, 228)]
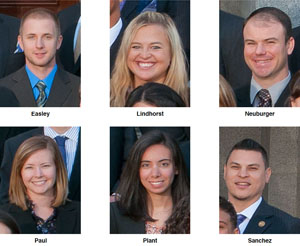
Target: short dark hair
[(9, 221), (227, 207), (271, 13), (133, 200), (155, 94), (41, 13), (295, 86), (251, 145)]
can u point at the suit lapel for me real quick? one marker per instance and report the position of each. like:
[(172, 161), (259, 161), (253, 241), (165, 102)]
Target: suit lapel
[(261, 220), (22, 88), (75, 179), (60, 90), (282, 100)]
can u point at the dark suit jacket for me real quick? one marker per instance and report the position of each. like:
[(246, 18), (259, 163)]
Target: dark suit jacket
[(10, 148), (243, 96), (294, 58), (9, 29), (64, 91), (67, 222), (275, 221), (68, 19), (232, 62), (121, 224)]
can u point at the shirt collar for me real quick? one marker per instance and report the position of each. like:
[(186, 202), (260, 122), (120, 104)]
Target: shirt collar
[(248, 212), (72, 133), (275, 90), (115, 30), (34, 79)]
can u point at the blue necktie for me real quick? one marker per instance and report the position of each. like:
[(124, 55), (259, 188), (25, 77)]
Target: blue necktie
[(240, 219), (61, 145)]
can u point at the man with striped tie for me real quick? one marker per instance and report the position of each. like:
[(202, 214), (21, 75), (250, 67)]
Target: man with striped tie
[(41, 83)]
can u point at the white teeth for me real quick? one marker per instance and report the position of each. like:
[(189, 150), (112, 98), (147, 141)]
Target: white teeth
[(145, 64), (156, 183), (39, 182)]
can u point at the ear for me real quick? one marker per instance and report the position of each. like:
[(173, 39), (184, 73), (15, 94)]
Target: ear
[(290, 44), (176, 171), (293, 104), (20, 42), (236, 231), (268, 173), (225, 170), (59, 41)]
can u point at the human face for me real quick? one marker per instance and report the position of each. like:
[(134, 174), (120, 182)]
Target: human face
[(157, 170), (4, 229), (225, 225), (295, 102), (39, 173), (266, 52), (39, 40), (245, 176), (149, 55)]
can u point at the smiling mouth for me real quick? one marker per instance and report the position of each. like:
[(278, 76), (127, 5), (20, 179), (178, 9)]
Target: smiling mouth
[(145, 65), (243, 184), (39, 182)]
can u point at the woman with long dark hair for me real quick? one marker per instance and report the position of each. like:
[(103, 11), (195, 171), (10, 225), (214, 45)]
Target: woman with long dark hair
[(153, 181)]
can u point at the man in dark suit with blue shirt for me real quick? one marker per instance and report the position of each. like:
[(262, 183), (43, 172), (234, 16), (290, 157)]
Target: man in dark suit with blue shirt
[(246, 173), (41, 83)]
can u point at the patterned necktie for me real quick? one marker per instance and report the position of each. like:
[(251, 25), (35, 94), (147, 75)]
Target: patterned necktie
[(264, 97), (61, 140), (42, 98)]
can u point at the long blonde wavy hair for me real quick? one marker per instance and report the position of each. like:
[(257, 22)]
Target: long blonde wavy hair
[(122, 79)]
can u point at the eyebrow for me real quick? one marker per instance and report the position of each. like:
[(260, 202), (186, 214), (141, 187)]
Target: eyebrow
[(267, 39), (166, 159), (251, 164), (156, 42)]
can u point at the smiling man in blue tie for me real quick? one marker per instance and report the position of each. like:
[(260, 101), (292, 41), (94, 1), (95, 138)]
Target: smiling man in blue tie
[(41, 83)]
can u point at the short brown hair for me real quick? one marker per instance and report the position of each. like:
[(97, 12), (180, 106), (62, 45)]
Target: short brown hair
[(41, 13), (17, 189)]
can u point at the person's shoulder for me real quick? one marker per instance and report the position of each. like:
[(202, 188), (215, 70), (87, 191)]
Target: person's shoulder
[(281, 214), (10, 207), (71, 206), (69, 76), (9, 20), (24, 135)]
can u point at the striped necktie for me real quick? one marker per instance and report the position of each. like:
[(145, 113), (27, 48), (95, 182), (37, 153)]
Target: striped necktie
[(42, 98)]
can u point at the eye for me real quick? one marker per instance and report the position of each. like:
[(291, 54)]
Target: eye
[(135, 46), (30, 37), (165, 164), (156, 47), (28, 167), (253, 168), (145, 165), (48, 37), (234, 167)]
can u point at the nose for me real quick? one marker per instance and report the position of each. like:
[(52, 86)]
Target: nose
[(243, 172), (145, 53), (38, 172), (39, 42), (260, 49), (155, 172)]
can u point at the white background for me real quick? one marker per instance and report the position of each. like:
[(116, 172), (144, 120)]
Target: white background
[(95, 117)]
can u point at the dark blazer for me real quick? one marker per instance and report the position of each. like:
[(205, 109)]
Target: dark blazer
[(9, 29), (68, 19), (121, 224), (64, 91), (270, 220), (67, 222), (10, 148), (232, 62), (243, 96), (294, 58)]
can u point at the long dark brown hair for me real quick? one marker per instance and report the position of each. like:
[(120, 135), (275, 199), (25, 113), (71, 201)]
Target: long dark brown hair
[(133, 196)]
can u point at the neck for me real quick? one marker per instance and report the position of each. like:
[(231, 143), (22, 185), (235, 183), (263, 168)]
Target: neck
[(240, 205), (41, 201), (60, 130), (266, 83), (114, 17), (159, 203), (41, 71)]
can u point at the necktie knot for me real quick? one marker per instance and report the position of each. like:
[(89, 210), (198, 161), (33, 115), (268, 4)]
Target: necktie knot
[(240, 219), (264, 97), (42, 98)]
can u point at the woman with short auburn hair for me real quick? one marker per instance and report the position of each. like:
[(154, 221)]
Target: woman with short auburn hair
[(39, 188)]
